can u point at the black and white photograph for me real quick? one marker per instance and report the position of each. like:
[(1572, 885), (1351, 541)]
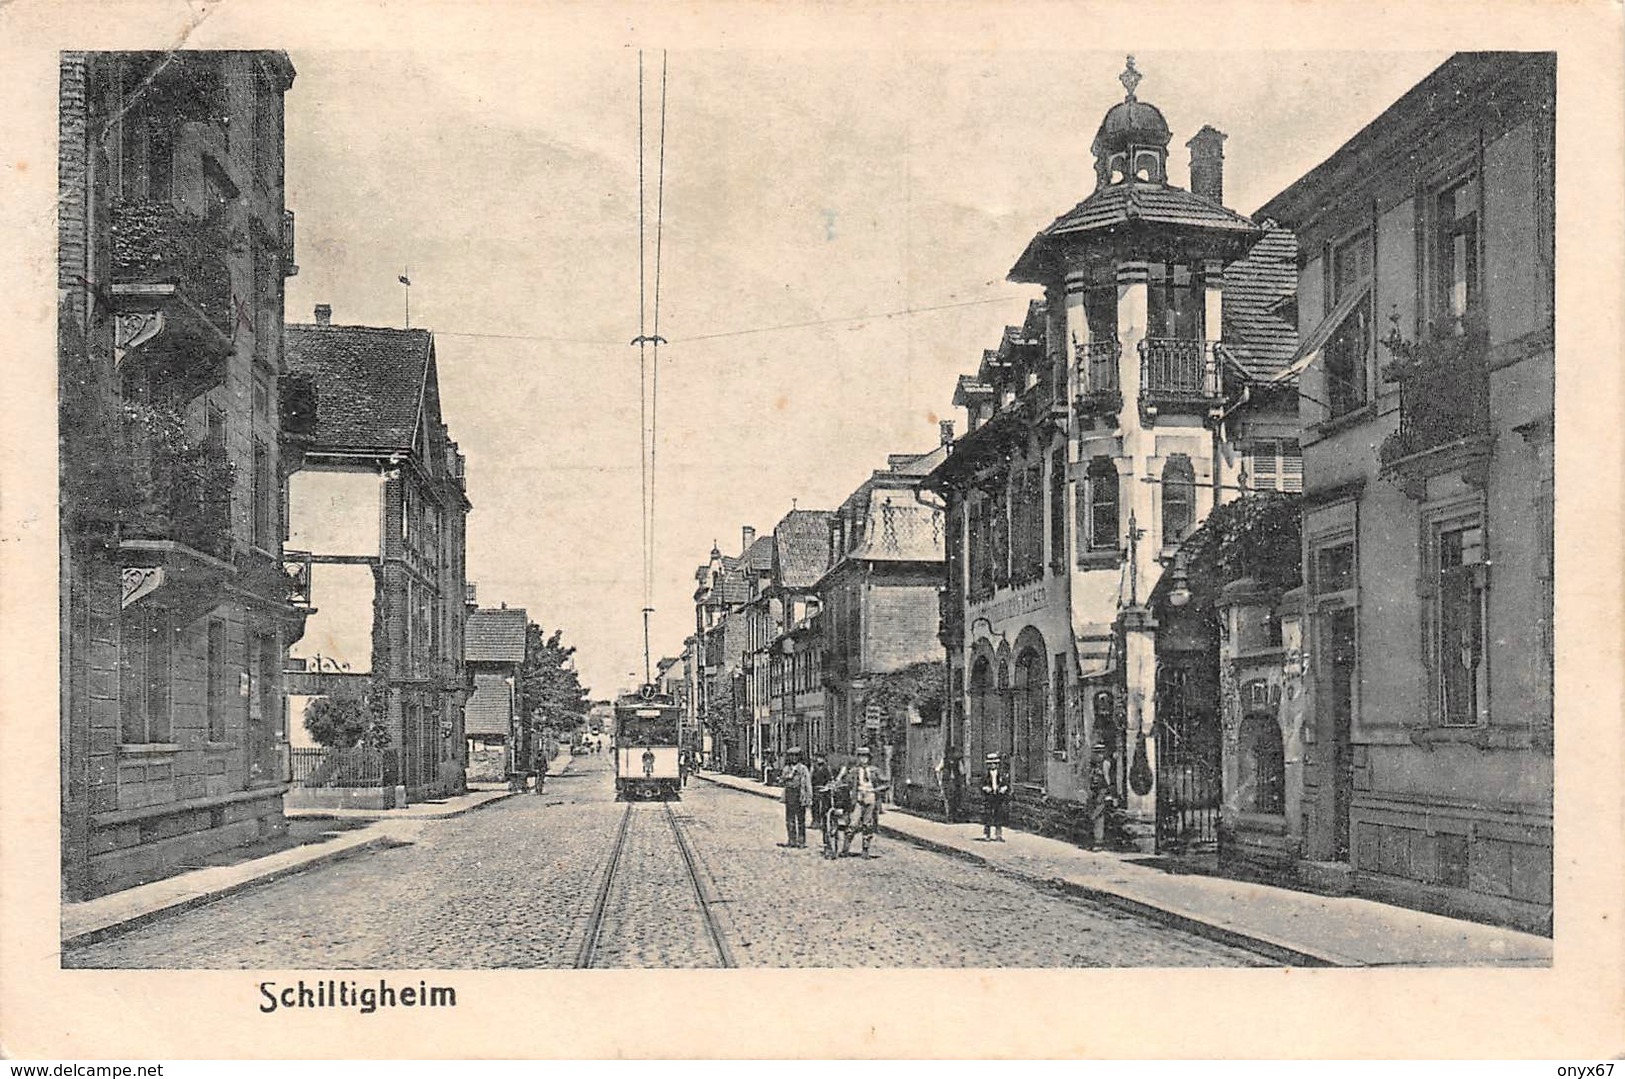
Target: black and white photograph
[(655, 503)]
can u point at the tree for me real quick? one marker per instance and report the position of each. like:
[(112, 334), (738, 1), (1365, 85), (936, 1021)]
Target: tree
[(345, 720), (549, 690)]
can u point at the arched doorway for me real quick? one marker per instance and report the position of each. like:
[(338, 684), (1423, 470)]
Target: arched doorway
[(982, 699), (1030, 700)]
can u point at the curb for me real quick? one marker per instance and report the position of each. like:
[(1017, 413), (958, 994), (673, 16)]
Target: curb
[(1281, 953), (386, 815), (136, 921)]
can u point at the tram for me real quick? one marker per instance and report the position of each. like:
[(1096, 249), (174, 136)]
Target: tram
[(647, 750)]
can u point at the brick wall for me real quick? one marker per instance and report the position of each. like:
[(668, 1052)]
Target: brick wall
[(900, 626)]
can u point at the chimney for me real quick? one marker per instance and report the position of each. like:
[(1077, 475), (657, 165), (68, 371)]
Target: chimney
[(945, 429), (324, 314), (1207, 163), (747, 537)]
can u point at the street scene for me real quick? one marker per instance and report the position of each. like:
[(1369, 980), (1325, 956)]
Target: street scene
[(1134, 554), (444, 902)]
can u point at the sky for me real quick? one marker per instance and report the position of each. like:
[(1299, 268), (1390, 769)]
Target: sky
[(836, 230)]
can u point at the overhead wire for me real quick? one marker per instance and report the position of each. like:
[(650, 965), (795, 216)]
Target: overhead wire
[(654, 348)]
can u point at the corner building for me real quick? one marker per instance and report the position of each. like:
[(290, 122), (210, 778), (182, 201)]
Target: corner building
[(176, 605), (1141, 390)]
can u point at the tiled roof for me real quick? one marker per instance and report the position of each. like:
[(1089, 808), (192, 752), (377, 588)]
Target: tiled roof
[(801, 544), (495, 635), (900, 529), (487, 709), (759, 556), (1256, 332), (730, 589), (1154, 203), (1116, 205), (369, 382)]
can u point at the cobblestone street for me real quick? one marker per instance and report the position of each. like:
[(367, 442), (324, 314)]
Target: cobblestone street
[(513, 886)]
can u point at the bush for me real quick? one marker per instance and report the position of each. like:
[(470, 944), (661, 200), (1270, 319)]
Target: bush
[(341, 722)]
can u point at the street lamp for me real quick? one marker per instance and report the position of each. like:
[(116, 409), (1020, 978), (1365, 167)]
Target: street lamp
[(1180, 593)]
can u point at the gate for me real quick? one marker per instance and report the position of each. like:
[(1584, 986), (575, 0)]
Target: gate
[(1189, 777)]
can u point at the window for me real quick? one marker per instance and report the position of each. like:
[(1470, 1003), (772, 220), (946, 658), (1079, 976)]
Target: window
[(1334, 568), (1058, 743), (1178, 499), (1028, 514), (1097, 508), (999, 529), (218, 701), (1029, 703), (1057, 511), (1457, 646), (1175, 303), (1275, 464), (1455, 252), (146, 664), (1348, 350), (266, 496)]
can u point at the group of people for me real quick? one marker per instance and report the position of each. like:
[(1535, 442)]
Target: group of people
[(844, 803)]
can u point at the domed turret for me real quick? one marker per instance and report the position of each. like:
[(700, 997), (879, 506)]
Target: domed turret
[(1132, 143)]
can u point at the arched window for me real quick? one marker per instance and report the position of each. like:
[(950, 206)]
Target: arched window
[(1030, 700), (1178, 498), (1262, 765), (1148, 166)]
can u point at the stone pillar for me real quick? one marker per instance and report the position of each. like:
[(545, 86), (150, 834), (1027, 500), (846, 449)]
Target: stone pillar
[(1140, 676)]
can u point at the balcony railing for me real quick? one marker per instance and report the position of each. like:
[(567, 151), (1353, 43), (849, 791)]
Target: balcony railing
[(155, 243), (1177, 371), (1098, 381), (1441, 401), (179, 487), (290, 265)]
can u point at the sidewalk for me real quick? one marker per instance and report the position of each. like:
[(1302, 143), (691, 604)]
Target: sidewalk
[(105, 916), (1297, 928)]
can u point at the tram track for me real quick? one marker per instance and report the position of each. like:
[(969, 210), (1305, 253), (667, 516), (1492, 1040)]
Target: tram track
[(613, 888)]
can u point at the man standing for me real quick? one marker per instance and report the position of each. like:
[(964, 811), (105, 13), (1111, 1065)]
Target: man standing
[(821, 776), (995, 796), (866, 783), (797, 797)]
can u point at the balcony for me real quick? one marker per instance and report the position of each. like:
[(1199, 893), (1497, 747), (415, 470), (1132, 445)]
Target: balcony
[(296, 408), (1178, 375), (1099, 388), (1444, 415), (179, 487), (172, 294)]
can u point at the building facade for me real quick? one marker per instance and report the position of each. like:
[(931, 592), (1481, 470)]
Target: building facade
[(1134, 397), (720, 641), (378, 516), (879, 610), (176, 609), (499, 738), (1425, 299)]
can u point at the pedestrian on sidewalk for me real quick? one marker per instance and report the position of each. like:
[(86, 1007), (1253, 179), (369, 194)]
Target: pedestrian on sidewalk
[(995, 799), (797, 797), (866, 783), (821, 776)]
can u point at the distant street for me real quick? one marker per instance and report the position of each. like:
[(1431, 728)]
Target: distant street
[(516, 885)]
